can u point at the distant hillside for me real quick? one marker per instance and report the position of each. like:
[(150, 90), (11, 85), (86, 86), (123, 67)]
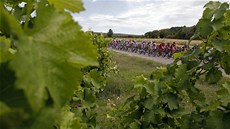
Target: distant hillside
[(172, 33)]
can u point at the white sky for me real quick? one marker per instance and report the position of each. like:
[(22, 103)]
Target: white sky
[(139, 16)]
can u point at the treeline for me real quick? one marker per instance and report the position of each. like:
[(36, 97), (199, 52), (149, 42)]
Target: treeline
[(172, 33), (120, 35)]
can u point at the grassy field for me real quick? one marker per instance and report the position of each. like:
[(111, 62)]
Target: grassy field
[(129, 67), (178, 41), (119, 87)]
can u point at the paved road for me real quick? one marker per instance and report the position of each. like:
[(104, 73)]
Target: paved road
[(157, 59)]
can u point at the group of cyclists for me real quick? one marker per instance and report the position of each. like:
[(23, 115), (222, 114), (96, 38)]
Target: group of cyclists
[(150, 48)]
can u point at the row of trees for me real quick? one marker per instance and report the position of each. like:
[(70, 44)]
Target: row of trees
[(173, 33), (111, 34)]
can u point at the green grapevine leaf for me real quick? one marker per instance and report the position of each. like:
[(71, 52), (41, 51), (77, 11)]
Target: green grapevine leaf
[(177, 55), (13, 103), (221, 10), (9, 94), (7, 53), (95, 79), (196, 96), (150, 117), (214, 120), (152, 89), (158, 73), (192, 64), (45, 119), (197, 53), (225, 63), (213, 76), (67, 120), (204, 27), (213, 5), (134, 125), (149, 102), (227, 17), (140, 80), (221, 44), (219, 19), (173, 101), (225, 33), (4, 108), (212, 19), (89, 97), (11, 118), (182, 76), (9, 24), (208, 13), (18, 12), (212, 106), (55, 50), (223, 94), (218, 24), (71, 5), (13, 1), (226, 119)]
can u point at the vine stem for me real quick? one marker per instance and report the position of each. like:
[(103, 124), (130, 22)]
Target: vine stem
[(201, 72)]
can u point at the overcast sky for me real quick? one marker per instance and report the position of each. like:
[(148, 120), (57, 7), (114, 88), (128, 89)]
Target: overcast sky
[(138, 16)]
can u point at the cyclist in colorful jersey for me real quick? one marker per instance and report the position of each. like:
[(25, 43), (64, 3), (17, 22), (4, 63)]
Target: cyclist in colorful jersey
[(154, 48), (195, 47), (149, 48), (135, 48), (154, 44), (167, 48), (185, 47), (161, 48), (168, 45), (173, 47)]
